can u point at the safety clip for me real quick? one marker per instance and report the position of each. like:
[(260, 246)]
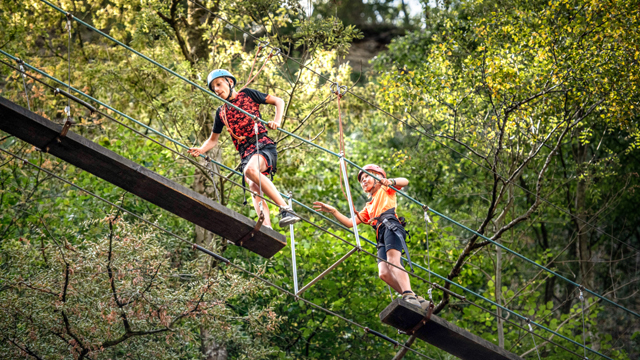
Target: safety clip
[(338, 89)]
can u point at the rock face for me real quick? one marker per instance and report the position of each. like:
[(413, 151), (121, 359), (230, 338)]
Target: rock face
[(375, 40)]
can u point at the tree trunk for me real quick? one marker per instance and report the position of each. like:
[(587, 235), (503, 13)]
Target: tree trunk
[(198, 49), (210, 348), (583, 248)]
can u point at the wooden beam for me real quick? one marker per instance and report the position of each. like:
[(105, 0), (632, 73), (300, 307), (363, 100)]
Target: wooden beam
[(442, 334), (136, 179)]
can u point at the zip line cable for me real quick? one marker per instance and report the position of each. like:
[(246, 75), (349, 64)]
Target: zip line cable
[(315, 225), (333, 153), (255, 118), (226, 261), (221, 258), (432, 137)]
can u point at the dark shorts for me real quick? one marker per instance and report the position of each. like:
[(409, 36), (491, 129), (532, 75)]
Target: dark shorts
[(269, 154), (388, 239)]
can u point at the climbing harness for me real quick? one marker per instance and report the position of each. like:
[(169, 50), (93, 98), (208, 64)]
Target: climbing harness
[(24, 82), (390, 221)]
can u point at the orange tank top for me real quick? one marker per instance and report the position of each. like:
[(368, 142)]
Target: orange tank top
[(381, 201)]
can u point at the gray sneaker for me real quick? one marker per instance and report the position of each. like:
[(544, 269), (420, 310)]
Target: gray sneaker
[(287, 217), (411, 298), (424, 304)]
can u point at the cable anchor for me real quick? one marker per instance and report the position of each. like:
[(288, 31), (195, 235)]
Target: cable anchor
[(426, 214), (69, 17), (338, 89), (24, 81)]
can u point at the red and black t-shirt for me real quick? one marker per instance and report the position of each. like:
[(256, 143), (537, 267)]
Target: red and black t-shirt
[(248, 100)]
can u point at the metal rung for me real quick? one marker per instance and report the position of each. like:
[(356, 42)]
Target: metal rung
[(327, 271)]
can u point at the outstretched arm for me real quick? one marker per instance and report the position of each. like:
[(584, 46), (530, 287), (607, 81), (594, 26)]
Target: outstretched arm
[(211, 142), (279, 104), (399, 182), (318, 206)]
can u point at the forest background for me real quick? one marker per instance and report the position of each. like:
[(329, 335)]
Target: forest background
[(518, 119)]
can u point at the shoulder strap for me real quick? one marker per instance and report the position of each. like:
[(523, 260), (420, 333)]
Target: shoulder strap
[(223, 116)]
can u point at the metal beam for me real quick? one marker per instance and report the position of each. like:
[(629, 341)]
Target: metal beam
[(327, 271)]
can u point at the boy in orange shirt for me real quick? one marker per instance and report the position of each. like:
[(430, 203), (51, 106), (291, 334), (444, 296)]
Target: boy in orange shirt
[(390, 234)]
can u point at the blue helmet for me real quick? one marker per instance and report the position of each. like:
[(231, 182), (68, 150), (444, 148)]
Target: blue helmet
[(220, 73)]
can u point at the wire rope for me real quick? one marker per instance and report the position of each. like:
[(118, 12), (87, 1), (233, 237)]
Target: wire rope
[(219, 257), (432, 137), (255, 118), (345, 241)]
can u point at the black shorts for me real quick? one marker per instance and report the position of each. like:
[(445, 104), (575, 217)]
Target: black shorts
[(269, 154), (388, 239)]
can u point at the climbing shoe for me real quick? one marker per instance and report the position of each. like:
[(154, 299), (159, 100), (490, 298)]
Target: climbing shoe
[(424, 304), (411, 298), (287, 217)]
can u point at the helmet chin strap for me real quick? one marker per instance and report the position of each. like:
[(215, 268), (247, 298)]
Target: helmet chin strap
[(231, 87)]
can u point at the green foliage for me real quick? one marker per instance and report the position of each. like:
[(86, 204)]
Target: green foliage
[(107, 288), (474, 66)]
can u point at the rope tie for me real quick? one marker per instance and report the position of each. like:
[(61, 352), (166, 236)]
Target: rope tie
[(584, 334), (24, 82), (533, 337), (339, 91), (427, 220), (261, 45), (212, 174), (68, 26), (255, 129)]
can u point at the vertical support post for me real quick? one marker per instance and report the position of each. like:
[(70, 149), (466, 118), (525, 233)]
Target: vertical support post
[(293, 250), (348, 190)]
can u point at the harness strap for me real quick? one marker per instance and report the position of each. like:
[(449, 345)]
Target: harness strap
[(394, 228), (386, 219), (422, 322), (251, 233), (223, 115)]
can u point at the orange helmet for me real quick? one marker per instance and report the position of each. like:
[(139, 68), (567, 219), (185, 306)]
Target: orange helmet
[(372, 167)]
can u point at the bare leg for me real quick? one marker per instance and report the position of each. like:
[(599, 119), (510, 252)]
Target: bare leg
[(256, 203), (255, 179), (396, 278), (385, 274)]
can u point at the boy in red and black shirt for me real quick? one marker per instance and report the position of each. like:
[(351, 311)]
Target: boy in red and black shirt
[(259, 158)]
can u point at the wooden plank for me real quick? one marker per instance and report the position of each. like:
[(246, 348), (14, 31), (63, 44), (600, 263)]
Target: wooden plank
[(136, 179), (442, 334)]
